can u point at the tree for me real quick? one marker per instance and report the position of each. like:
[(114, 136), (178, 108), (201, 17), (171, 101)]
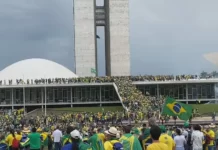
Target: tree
[(214, 74), (204, 74)]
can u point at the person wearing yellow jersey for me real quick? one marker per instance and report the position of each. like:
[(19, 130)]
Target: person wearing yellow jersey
[(9, 139), (155, 133), (3, 145), (110, 138), (18, 135), (210, 133), (165, 138)]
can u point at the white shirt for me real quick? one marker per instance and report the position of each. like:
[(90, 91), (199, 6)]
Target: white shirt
[(185, 133), (180, 140), (57, 134), (197, 139)]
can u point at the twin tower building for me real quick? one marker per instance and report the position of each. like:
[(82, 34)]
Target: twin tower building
[(114, 16)]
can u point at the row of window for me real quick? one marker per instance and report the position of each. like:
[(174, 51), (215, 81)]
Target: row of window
[(103, 93), (193, 91), (58, 95)]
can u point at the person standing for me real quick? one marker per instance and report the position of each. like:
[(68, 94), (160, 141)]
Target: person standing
[(57, 135), (179, 140), (197, 138), (129, 141), (111, 139), (77, 143), (9, 139), (155, 133), (35, 140), (211, 136), (165, 138), (145, 138), (96, 141)]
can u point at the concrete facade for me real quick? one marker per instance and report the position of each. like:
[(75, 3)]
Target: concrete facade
[(85, 37), (119, 44), (114, 16)]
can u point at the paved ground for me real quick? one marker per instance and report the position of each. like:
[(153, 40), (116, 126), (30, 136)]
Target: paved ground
[(197, 120)]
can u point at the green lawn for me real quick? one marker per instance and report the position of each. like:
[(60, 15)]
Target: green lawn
[(206, 108), (89, 109), (203, 108)]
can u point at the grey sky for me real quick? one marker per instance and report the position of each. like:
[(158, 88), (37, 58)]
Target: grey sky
[(167, 37)]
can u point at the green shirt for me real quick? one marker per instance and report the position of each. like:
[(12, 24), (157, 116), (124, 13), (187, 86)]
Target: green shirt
[(35, 140)]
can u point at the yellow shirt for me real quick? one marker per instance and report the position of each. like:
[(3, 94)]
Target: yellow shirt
[(168, 140), (9, 139), (102, 137), (212, 135), (157, 146), (18, 137), (108, 145)]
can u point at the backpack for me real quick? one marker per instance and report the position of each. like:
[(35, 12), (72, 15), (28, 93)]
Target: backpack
[(15, 143), (189, 138), (118, 146)]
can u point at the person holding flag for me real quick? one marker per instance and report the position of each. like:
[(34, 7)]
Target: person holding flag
[(145, 138), (129, 141)]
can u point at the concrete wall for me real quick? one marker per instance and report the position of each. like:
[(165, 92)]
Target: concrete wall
[(119, 37), (85, 37)]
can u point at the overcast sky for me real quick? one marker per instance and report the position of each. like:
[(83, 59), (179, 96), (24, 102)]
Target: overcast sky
[(167, 36)]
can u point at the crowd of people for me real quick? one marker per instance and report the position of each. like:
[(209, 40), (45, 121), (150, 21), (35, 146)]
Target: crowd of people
[(107, 79), (58, 133), (132, 98), (106, 130)]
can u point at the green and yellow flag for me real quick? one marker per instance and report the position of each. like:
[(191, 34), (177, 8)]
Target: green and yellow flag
[(174, 108)]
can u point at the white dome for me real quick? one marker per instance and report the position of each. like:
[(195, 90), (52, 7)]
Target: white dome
[(35, 68)]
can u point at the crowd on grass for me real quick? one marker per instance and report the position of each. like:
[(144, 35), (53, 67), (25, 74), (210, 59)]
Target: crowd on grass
[(79, 132)]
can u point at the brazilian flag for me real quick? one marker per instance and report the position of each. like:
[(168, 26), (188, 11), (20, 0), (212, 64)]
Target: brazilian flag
[(44, 139), (174, 108), (146, 138), (25, 141), (3, 145)]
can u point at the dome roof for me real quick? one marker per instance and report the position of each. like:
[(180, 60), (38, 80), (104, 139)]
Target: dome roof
[(35, 68)]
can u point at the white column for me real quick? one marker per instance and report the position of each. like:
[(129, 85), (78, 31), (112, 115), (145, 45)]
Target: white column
[(45, 101), (71, 97), (24, 100), (12, 99), (100, 97), (186, 89), (42, 97), (158, 92)]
